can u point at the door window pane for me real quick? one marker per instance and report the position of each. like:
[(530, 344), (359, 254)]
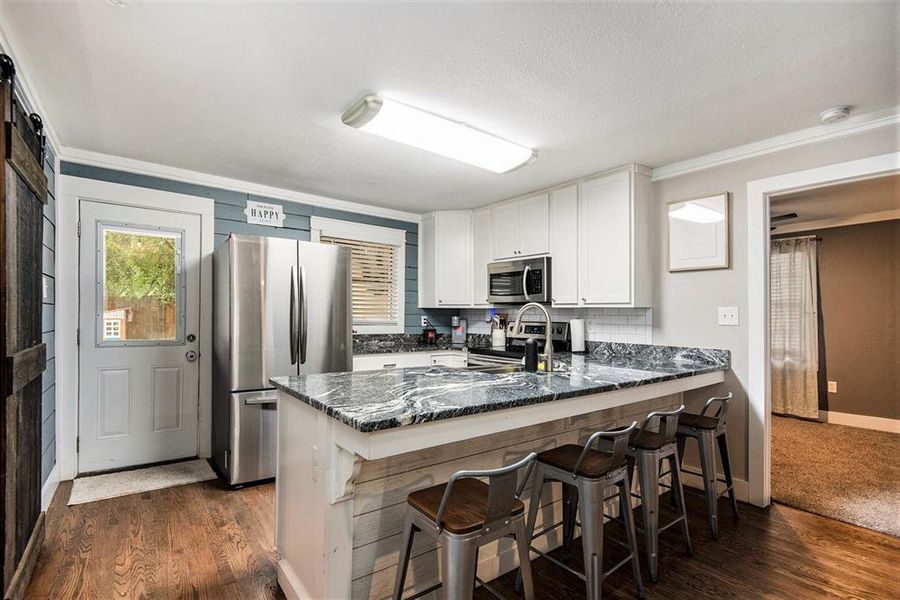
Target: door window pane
[(142, 285)]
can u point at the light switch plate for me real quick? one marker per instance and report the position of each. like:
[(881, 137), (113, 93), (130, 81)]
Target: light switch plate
[(832, 387), (729, 316)]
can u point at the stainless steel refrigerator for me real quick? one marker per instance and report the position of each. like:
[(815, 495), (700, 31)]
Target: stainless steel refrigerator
[(280, 307)]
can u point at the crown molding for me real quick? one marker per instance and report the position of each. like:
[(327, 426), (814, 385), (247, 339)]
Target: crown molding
[(795, 139), (140, 167), (24, 85)]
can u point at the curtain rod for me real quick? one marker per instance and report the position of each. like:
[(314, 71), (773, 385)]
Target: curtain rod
[(799, 237)]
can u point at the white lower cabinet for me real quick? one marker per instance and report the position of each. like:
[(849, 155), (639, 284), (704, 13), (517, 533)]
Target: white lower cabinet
[(403, 360)]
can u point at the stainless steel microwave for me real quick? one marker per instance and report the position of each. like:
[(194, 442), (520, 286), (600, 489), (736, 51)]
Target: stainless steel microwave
[(517, 281)]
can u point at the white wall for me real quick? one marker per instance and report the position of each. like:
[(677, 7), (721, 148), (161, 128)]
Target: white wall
[(685, 303)]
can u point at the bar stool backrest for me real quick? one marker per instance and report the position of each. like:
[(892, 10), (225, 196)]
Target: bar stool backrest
[(617, 437), (666, 421), (502, 490), (722, 410)]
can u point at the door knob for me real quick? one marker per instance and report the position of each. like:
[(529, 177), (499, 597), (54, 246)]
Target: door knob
[(190, 355)]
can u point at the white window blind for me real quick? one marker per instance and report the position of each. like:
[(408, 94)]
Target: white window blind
[(375, 280)]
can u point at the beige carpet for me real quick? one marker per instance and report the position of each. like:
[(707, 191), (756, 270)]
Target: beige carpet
[(845, 473), (124, 483)]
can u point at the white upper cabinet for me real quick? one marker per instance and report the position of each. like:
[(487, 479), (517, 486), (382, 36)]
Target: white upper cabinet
[(483, 254), (613, 239), (520, 227), (445, 259), (505, 230), (564, 246)]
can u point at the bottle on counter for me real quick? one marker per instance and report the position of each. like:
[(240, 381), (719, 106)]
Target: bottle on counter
[(531, 355)]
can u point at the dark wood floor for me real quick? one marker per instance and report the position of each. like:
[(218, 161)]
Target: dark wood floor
[(202, 541)]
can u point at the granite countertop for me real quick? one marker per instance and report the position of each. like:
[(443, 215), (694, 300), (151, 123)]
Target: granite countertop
[(389, 343), (377, 400)]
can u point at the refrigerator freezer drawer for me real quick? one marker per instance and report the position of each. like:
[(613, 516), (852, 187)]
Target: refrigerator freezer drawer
[(254, 419)]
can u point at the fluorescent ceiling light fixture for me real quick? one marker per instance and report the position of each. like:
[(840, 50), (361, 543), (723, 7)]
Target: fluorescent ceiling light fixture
[(415, 127), (697, 213)]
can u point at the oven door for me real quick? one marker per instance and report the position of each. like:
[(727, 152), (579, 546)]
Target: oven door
[(519, 281)]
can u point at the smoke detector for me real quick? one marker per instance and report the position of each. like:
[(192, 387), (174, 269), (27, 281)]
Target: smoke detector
[(833, 115)]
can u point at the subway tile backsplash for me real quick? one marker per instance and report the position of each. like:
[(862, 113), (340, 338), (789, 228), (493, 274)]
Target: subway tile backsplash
[(625, 325)]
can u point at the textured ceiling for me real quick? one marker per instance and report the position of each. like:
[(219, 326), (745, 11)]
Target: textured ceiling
[(879, 194), (254, 91)]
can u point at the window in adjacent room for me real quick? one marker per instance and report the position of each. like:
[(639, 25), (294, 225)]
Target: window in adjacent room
[(378, 271)]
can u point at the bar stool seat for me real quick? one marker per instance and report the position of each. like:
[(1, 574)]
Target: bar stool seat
[(466, 508), (648, 440), (697, 421), (595, 464)]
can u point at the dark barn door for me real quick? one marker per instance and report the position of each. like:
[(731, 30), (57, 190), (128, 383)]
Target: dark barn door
[(23, 192)]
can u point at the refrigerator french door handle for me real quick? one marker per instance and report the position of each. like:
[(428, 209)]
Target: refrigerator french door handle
[(292, 318), (303, 330)]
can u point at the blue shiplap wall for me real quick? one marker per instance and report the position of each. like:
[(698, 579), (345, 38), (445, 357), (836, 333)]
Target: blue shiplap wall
[(229, 218), (48, 384)]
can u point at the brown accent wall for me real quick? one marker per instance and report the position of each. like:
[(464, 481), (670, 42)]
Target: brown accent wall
[(859, 279)]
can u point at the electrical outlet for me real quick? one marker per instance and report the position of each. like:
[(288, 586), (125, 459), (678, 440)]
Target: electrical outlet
[(729, 315), (424, 321), (832, 387)]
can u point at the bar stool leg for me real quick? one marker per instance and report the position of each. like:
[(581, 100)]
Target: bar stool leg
[(405, 549), (678, 496), (570, 512), (522, 543), (726, 467), (707, 447), (458, 563), (680, 441), (591, 496), (628, 520), (648, 473), (534, 504)]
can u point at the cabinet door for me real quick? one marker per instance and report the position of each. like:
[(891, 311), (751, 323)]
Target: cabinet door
[(481, 233), (505, 230), (564, 245), (534, 231), (453, 258), (605, 240)]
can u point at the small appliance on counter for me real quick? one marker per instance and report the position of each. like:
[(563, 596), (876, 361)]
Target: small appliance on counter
[(498, 333), (576, 331), (458, 332), (429, 334)]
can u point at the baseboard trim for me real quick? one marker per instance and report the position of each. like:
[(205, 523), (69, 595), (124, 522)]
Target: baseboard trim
[(48, 490), (22, 575), (741, 487), (861, 421)]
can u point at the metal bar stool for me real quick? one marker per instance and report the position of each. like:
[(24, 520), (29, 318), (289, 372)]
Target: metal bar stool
[(646, 450), (586, 474), (708, 430), (464, 514)]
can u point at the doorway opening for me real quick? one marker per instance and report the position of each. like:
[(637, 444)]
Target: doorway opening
[(834, 310)]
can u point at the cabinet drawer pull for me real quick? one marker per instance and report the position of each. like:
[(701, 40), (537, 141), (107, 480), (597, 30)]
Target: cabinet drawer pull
[(389, 365)]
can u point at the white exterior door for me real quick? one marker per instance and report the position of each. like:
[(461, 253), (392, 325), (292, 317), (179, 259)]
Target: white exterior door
[(139, 310)]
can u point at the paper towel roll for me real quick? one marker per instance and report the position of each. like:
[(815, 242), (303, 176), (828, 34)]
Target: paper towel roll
[(576, 331)]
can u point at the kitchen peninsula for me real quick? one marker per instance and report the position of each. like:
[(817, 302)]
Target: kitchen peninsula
[(353, 445)]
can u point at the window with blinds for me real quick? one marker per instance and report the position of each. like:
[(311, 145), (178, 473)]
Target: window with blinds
[(375, 279)]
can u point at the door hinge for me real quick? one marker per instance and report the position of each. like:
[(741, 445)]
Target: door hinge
[(77, 444), (79, 228), (78, 337)]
